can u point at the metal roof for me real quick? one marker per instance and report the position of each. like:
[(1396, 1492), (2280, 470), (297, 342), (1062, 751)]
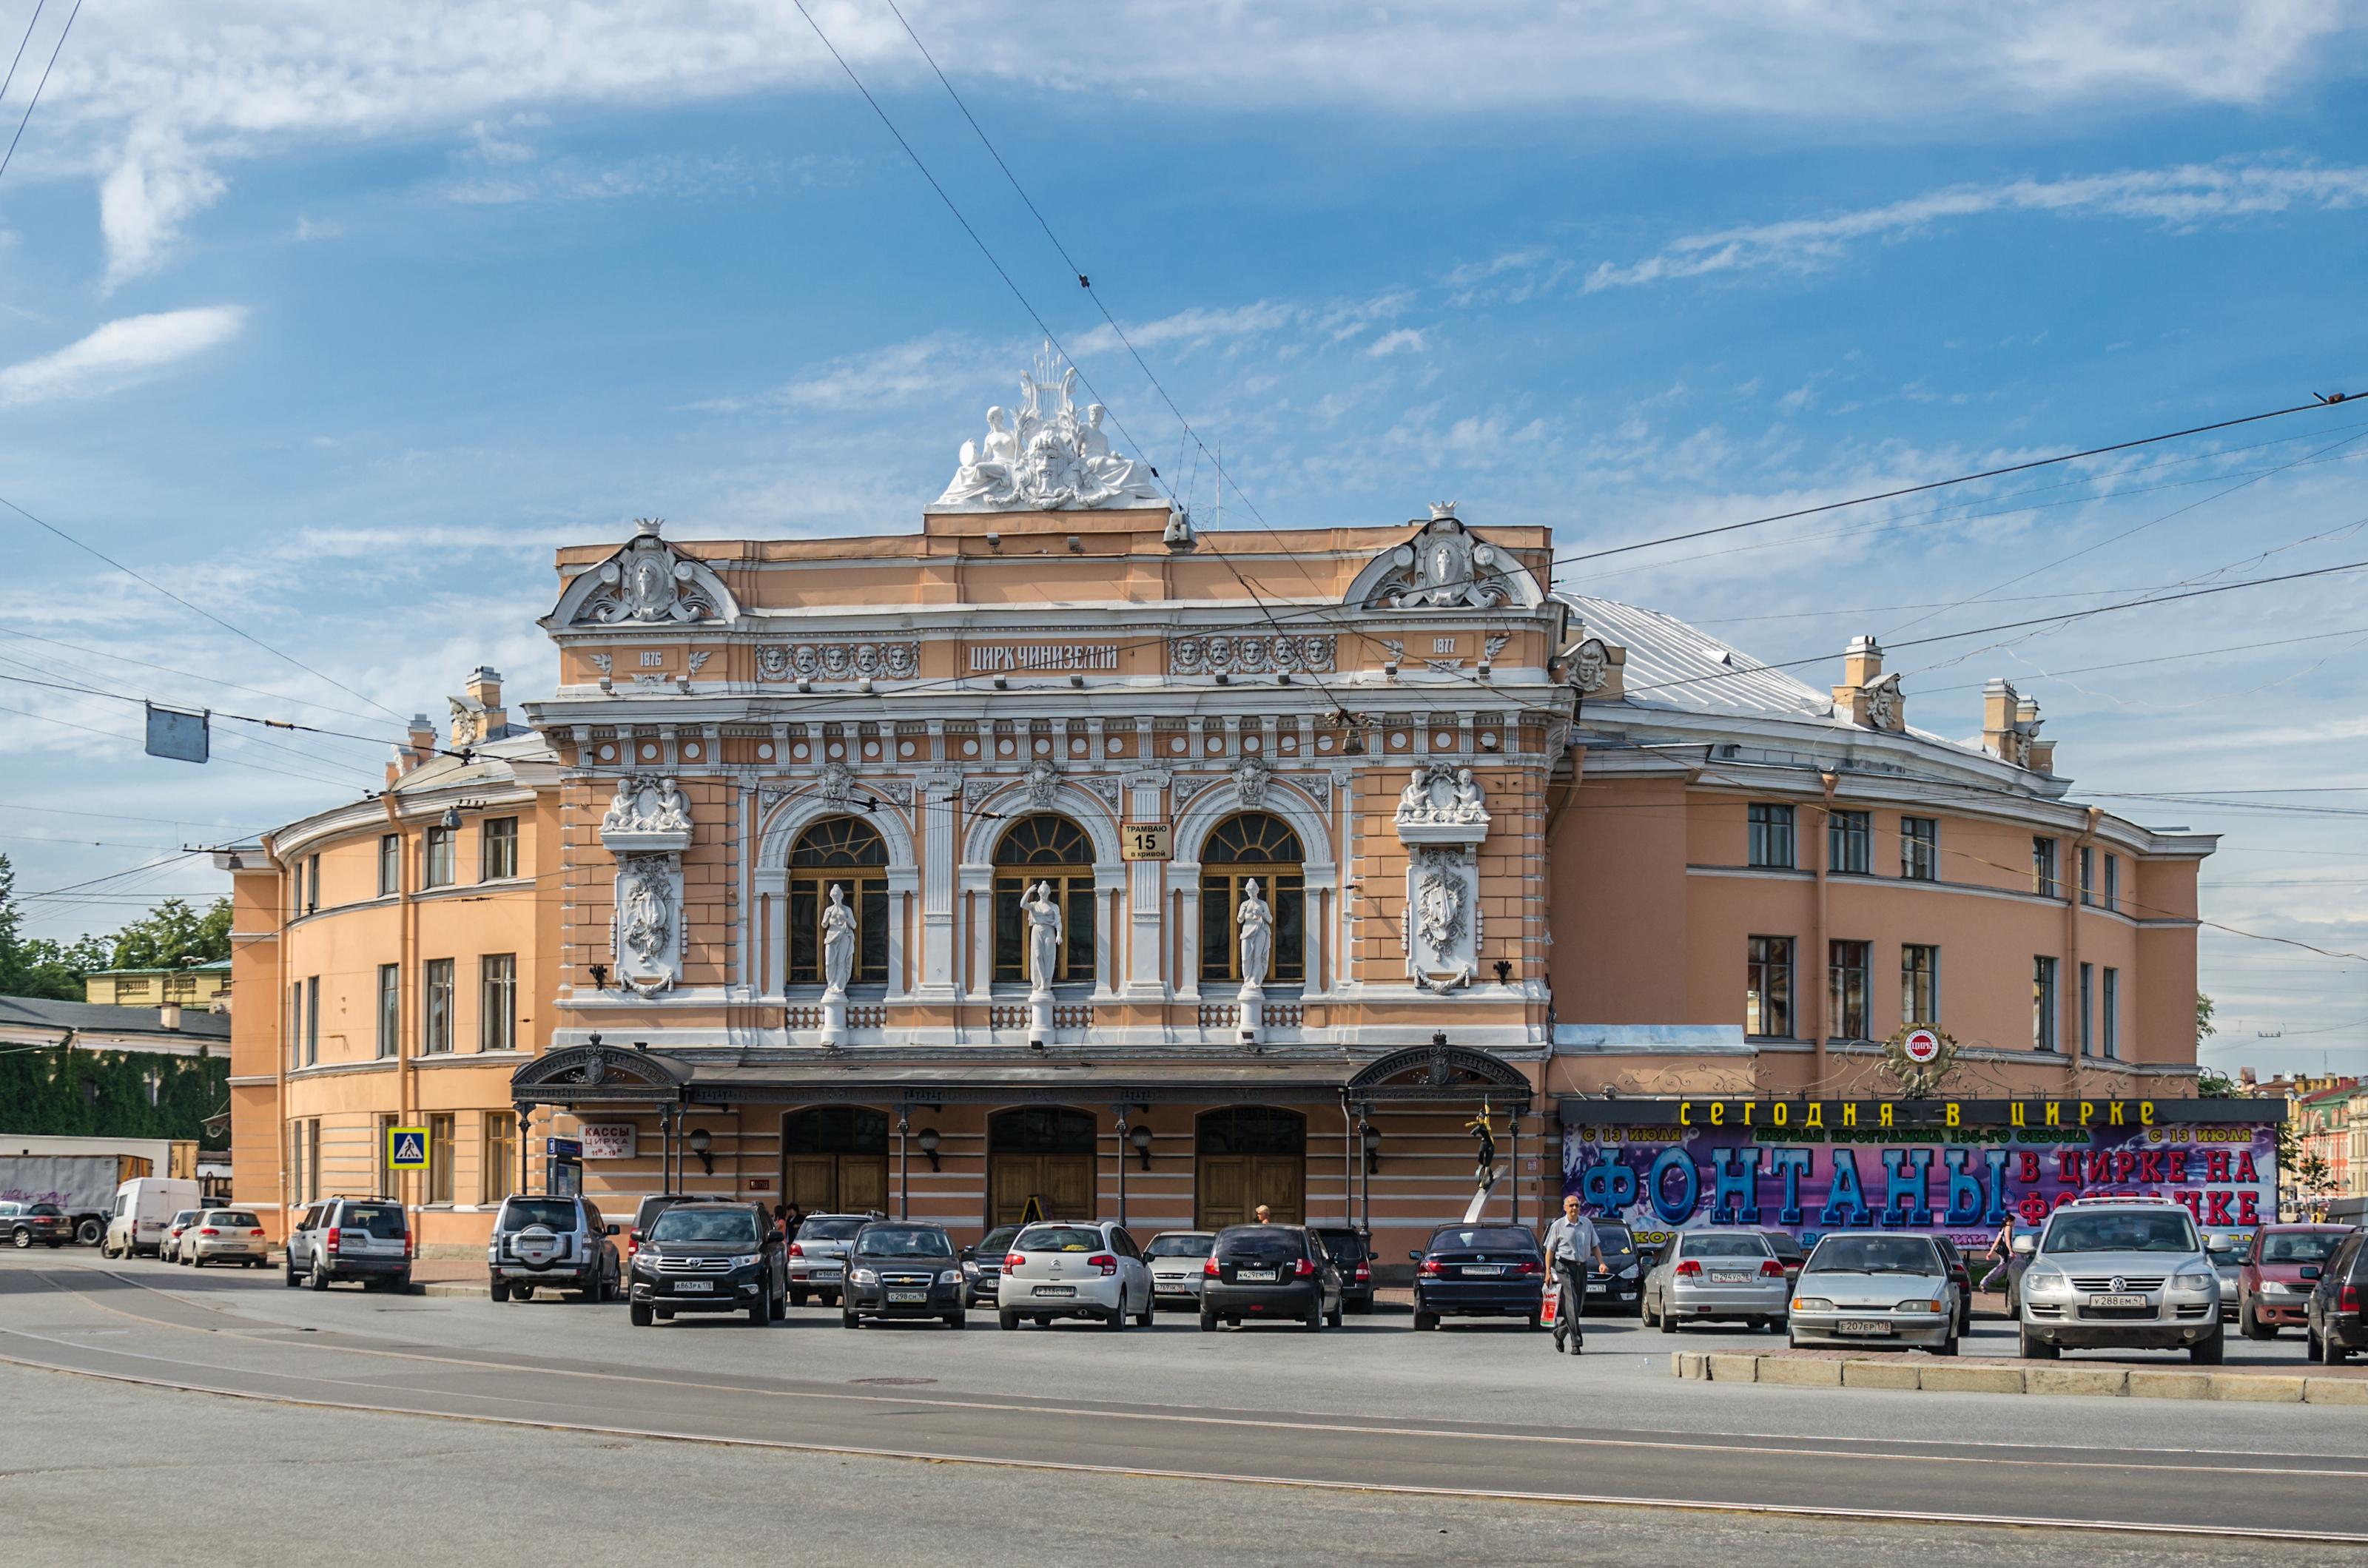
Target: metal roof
[(101, 1018)]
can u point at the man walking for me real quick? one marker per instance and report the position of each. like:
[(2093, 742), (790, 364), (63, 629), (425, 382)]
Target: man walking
[(1572, 1247)]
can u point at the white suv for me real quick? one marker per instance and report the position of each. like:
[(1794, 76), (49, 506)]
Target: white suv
[(2121, 1273)]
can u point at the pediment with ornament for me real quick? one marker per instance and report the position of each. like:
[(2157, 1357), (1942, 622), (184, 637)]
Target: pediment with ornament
[(647, 583)]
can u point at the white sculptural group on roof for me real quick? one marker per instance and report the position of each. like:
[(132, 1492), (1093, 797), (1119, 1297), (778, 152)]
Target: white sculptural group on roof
[(1046, 457)]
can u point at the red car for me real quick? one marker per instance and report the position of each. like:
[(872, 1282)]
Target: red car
[(2270, 1290)]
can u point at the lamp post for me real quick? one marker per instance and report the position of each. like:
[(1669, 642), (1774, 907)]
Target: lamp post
[(904, 1168), (1370, 1136), (929, 1141), (699, 1142)]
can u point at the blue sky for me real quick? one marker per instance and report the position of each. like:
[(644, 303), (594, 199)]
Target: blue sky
[(337, 321)]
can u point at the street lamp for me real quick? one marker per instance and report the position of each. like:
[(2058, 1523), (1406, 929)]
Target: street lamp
[(701, 1143), (1370, 1136), (929, 1141), (1141, 1139)]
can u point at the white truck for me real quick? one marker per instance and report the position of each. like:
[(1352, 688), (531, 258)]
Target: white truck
[(81, 1185)]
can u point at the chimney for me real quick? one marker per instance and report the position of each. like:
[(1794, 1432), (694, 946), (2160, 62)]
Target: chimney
[(1867, 697), (2001, 709), (169, 1015), (484, 689), (1863, 663), (423, 741)]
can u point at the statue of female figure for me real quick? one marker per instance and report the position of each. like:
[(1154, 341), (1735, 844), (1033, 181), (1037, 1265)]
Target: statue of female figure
[(1256, 923), (837, 941), (1044, 913)]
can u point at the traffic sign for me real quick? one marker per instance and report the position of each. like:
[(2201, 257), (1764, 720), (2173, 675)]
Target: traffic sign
[(406, 1148), (1920, 1046)]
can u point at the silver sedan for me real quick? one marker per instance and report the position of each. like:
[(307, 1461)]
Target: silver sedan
[(1710, 1275), (1860, 1290)]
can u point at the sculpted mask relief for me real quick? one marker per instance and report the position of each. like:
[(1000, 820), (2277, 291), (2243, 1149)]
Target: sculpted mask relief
[(645, 933), (646, 582)]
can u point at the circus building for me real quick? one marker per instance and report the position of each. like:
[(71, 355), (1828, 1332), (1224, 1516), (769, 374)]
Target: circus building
[(1059, 853)]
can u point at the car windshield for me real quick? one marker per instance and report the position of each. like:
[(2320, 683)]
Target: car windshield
[(1346, 1246), (997, 1241), (1260, 1243), (1179, 1244), (186, 1216), (650, 1210), (2150, 1232), (1616, 1240), (836, 1228), (1058, 1238), (1483, 1238), (2299, 1246), (232, 1217), (1724, 1246), (734, 1227), (1874, 1254), (45, 1209), (904, 1240), (1784, 1244), (551, 1213)]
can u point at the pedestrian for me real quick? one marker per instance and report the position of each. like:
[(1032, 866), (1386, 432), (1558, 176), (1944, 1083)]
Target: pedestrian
[(2002, 1252), (781, 1220), (1265, 1215), (1569, 1240)]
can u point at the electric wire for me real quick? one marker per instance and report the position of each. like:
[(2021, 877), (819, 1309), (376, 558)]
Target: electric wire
[(34, 21), (35, 102)]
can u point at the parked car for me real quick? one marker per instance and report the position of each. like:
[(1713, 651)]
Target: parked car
[(1788, 1250), (2273, 1284), (1082, 1269), (1960, 1275), (225, 1235), (26, 1223), (1855, 1290), (169, 1245), (1352, 1255), (1620, 1285), (143, 1205), (2335, 1322), (555, 1242), (1710, 1275), (709, 1256), (2121, 1273), (2227, 1249), (982, 1266), (818, 1255), (1177, 1260), (1269, 1271), (897, 1270), (649, 1210), (1479, 1271), (350, 1238)]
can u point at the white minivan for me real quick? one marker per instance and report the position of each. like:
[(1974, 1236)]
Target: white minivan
[(143, 1205)]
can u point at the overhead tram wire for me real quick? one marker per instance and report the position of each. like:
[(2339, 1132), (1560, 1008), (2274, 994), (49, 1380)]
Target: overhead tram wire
[(35, 102), (32, 22), (96, 552)]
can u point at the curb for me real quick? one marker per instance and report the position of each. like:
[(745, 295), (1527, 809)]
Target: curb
[(1989, 1375)]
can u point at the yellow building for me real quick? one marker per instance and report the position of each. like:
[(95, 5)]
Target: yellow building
[(196, 986)]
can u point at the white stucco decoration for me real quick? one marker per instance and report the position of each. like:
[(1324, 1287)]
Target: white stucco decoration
[(648, 827), (1045, 457), (1442, 817), (1445, 566)]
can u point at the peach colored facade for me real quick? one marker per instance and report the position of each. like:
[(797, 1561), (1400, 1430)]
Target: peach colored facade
[(1578, 837)]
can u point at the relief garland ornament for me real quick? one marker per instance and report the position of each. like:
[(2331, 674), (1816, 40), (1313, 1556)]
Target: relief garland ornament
[(1917, 1079), (646, 582)]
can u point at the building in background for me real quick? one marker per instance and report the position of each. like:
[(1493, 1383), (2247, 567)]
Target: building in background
[(198, 986), (1170, 874)]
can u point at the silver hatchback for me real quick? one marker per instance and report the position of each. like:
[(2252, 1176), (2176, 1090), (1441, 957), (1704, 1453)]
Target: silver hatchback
[(1883, 1291), (1707, 1276)]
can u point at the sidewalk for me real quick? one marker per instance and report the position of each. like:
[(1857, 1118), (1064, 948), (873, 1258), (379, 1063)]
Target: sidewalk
[(2005, 1374)]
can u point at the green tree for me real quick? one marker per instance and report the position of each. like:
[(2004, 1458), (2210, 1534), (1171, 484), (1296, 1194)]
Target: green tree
[(172, 935), (36, 966), (2213, 1084), (2204, 1030)]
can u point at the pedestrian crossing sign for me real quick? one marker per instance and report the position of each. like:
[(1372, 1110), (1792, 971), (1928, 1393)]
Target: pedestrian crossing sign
[(406, 1148)]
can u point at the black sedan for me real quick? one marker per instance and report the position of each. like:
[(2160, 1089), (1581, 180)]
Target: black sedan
[(1279, 1272), (1479, 1271), (982, 1267), (709, 1257), (25, 1223), (896, 1269), (1352, 1254)]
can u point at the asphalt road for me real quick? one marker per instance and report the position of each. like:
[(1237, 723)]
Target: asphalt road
[(1271, 1429)]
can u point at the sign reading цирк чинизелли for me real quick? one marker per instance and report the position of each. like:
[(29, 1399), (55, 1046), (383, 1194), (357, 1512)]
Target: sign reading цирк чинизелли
[(994, 658)]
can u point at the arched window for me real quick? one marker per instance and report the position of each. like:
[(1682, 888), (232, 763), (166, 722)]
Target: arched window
[(849, 852), (1253, 845), (1044, 849)]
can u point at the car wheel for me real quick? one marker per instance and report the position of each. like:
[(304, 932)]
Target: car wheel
[(1314, 1319), (2249, 1324), (498, 1290), (1007, 1320), (90, 1233), (1537, 1318), (317, 1276), (1143, 1318), (1118, 1314), (1792, 1340), (1424, 1321), (2209, 1352), (1661, 1319), (761, 1310), (2310, 1345), (287, 1276), (2331, 1354), (1333, 1321), (797, 1297), (830, 1298), (850, 1318), (2031, 1347), (22, 1237), (1947, 1346), (1208, 1322), (957, 1320), (638, 1314), (521, 1292)]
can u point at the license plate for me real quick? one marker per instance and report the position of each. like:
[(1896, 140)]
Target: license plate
[(1862, 1325), (1266, 1275), (917, 1297), (1056, 1289), (1730, 1279), (2117, 1301), (832, 1275), (1484, 1269), (706, 1285), (1173, 1287)]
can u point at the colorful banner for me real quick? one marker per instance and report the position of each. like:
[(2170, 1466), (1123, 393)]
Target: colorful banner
[(1961, 1181)]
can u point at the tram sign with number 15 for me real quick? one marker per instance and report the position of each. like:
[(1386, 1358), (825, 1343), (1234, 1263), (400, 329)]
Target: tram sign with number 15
[(1146, 841)]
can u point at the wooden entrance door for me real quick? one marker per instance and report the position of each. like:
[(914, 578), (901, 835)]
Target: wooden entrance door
[(1250, 1156), (1040, 1152), (835, 1160)]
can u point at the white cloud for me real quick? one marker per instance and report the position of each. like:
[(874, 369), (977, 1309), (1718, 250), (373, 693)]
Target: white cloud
[(118, 354), (1188, 329), (159, 95), (2187, 194), (1405, 339)]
